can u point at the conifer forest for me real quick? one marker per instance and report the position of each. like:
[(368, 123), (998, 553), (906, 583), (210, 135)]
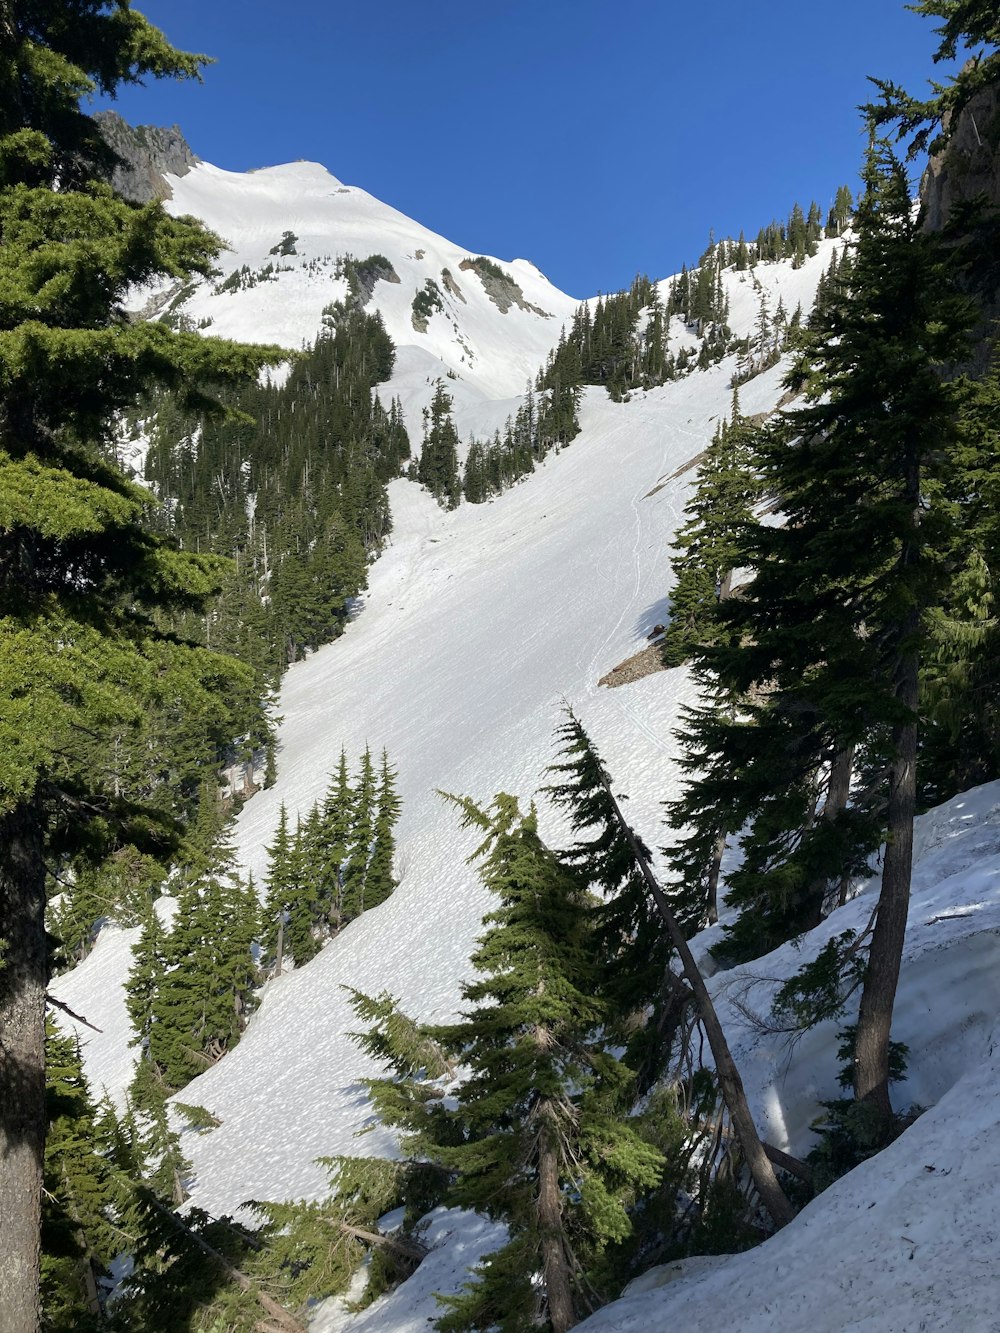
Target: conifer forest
[(435, 1008)]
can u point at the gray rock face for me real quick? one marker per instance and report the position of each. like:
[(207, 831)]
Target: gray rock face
[(968, 168), (970, 164), (146, 153)]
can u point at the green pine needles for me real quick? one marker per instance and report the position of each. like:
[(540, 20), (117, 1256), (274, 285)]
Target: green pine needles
[(536, 1134), (338, 863)]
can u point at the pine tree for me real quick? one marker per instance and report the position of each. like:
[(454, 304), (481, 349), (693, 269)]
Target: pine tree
[(632, 949), (79, 1238), (839, 216), (438, 465), (204, 996), (79, 573), (967, 24), (362, 836), (829, 628), (280, 891), (381, 880), (149, 958), (302, 929), (537, 1137), (333, 844), (707, 545)]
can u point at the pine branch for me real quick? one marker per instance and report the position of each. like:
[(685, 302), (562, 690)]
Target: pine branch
[(58, 1004)]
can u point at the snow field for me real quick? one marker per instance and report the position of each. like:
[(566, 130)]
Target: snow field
[(478, 626)]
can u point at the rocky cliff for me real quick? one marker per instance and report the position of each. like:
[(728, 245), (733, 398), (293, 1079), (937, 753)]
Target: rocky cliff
[(145, 153)]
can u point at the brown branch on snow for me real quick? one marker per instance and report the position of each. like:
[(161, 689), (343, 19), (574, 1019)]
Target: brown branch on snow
[(58, 1004)]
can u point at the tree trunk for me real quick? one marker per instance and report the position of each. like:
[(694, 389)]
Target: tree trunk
[(23, 977), (714, 871), (279, 951), (871, 1049), (838, 789), (555, 1267), (878, 994), (772, 1196)]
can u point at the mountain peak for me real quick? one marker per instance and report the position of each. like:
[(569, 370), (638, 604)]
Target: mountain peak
[(146, 155)]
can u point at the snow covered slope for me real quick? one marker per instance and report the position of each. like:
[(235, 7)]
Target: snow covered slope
[(478, 625), (905, 1243)]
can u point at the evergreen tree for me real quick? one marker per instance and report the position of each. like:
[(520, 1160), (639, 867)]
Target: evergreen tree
[(80, 576), (333, 844), (359, 853), (79, 1238), (707, 545), (149, 959), (536, 1137), (632, 950), (303, 932), (380, 878), (281, 886), (967, 24), (438, 465), (826, 640), (204, 996)]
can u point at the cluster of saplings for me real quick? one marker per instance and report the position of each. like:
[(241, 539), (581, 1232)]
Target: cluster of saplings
[(115, 1179), (545, 421), (336, 864), (194, 978)]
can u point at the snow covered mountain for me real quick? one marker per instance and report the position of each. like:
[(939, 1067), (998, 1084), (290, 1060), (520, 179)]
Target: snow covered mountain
[(487, 324), (479, 625)]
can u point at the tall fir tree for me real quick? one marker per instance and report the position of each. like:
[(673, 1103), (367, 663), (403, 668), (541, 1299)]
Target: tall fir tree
[(381, 874), (79, 1235), (707, 545), (437, 468), (535, 1135), (823, 662), (80, 575), (363, 815), (333, 844)]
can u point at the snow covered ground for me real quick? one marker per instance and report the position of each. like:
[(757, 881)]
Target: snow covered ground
[(477, 627)]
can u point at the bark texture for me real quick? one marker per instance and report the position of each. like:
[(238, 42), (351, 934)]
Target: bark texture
[(23, 978), (555, 1268)]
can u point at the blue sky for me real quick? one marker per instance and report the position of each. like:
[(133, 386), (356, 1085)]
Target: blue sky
[(597, 138)]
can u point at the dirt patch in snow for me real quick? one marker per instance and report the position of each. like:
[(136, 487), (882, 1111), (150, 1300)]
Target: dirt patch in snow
[(641, 664)]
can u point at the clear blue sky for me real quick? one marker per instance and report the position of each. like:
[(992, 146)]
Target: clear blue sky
[(598, 138)]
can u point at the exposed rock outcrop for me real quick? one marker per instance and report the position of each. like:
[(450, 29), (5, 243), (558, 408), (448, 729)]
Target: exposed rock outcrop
[(146, 153), (966, 170), (969, 165), (499, 286)]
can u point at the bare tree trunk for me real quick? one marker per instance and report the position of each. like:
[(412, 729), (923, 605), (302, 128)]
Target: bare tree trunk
[(714, 871), (871, 1050), (279, 951), (23, 977), (838, 790), (555, 1267), (772, 1196)]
